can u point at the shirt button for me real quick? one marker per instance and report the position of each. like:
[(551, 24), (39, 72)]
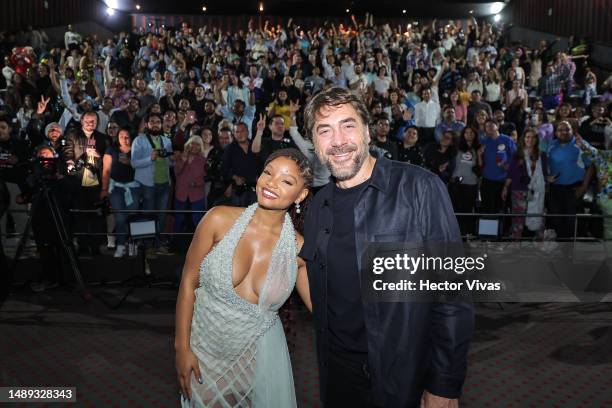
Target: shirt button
[(322, 265)]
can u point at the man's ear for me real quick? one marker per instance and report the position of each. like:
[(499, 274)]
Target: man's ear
[(368, 139)]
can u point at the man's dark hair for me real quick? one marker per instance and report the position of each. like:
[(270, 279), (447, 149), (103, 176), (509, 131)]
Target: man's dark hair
[(7, 119), (333, 97), (380, 118), (274, 117), (153, 115)]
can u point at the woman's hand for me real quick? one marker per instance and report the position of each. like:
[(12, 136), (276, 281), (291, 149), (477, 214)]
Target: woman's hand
[(186, 361), (504, 193)]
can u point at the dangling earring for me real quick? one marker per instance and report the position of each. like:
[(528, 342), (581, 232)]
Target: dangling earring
[(297, 208)]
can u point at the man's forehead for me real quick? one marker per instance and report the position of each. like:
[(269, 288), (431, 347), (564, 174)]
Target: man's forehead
[(330, 112)]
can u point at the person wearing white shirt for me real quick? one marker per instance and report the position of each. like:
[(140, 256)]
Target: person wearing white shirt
[(71, 38), (8, 71), (382, 82), (358, 81), (427, 116)]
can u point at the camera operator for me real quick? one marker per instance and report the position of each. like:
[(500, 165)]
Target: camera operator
[(151, 153), (83, 153), (13, 165), (46, 177)]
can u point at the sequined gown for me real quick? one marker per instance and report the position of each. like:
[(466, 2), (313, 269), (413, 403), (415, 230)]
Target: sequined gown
[(241, 346)]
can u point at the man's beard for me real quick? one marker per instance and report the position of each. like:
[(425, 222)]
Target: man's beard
[(154, 132), (342, 174)]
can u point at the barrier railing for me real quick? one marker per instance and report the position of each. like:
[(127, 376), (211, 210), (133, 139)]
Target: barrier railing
[(577, 219)]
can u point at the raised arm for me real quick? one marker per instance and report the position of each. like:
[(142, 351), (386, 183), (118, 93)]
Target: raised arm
[(261, 124)]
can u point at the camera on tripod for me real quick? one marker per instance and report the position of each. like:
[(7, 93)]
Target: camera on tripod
[(46, 168)]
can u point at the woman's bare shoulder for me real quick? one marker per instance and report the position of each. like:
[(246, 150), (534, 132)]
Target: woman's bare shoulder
[(220, 218)]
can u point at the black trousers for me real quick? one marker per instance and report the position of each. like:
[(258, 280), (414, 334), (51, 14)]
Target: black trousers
[(563, 201), (490, 193), (348, 383), (463, 197), (426, 135), (86, 199)]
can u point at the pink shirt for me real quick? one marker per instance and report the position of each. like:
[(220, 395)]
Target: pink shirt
[(189, 179)]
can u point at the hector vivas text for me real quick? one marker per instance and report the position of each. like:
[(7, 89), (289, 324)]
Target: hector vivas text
[(417, 267)]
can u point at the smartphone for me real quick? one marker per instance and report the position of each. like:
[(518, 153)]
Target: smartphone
[(191, 115)]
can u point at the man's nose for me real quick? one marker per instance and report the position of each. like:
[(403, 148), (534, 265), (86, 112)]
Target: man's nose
[(339, 138)]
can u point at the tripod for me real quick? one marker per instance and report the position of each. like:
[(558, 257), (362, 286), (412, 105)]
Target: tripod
[(46, 195)]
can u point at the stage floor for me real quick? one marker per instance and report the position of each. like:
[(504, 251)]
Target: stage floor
[(539, 355)]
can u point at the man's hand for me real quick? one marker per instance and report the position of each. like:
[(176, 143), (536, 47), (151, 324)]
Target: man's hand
[(154, 155), (92, 152), (294, 107), (261, 123), (579, 141), (580, 191), (407, 114), (429, 400), (228, 191), (42, 105), (239, 180)]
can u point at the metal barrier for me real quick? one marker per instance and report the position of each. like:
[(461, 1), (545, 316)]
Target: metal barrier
[(577, 218)]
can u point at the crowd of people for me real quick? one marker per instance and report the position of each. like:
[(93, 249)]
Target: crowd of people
[(184, 117)]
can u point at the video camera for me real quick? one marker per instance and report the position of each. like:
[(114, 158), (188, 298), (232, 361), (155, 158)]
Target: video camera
[(163, 153), (81, 164)]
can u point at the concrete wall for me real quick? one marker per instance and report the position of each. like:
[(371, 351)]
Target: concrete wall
[(601, 54), (86, 29)]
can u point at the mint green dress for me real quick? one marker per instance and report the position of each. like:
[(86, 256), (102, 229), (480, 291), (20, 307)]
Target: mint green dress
[(241, 346)]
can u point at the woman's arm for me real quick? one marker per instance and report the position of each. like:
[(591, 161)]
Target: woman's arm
[(203, 241), (301, 283), (107, 163)]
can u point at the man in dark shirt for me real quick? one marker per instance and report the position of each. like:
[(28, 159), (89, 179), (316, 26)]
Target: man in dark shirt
[(593, 129), (265, 146), (382, 138), (240, 168), (128, 117), (376, 353), (477, 104), (409, 150)]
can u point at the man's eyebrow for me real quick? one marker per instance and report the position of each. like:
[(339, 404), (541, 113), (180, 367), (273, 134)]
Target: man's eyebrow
[(343, 121)]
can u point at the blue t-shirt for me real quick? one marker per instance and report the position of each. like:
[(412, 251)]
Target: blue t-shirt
[(497, 155), (567, 162)]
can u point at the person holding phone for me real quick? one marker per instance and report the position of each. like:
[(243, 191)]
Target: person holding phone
[(439, 155)]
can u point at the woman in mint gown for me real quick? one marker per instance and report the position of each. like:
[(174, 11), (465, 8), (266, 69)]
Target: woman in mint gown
[(240, 268)]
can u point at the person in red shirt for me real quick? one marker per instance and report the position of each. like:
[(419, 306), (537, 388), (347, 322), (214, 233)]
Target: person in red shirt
[(189, 169)]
